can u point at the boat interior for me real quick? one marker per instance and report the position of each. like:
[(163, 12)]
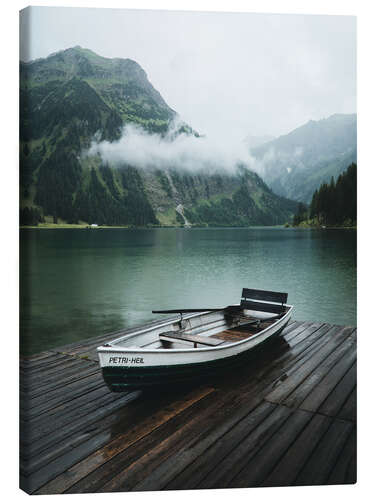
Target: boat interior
[(213, 327)]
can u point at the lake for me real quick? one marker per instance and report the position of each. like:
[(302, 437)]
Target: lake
[(80, 283)]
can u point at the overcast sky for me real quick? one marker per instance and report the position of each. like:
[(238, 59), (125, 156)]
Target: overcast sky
[(225, 74)]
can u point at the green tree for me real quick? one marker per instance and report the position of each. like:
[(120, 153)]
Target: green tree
[(336, 203)]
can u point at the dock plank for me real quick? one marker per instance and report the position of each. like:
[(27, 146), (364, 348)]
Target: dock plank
[(232, 463), (297, 376), (336, 400), (291, 463), (349, 410), (33, 390), (345, 467), (254, 471), (123, 441), (329, 395), (323, 378), (132, 464), (285, 417), (229, 432), (320, 465)]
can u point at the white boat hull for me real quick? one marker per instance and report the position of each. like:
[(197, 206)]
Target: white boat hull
[(141, 358)]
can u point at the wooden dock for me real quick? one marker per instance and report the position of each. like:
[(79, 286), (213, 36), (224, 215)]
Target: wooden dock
[(286, 418)]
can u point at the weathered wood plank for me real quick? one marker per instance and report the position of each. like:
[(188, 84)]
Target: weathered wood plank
[(300, 350), (345, 469), (337, 398), (56, 459), (124, 470), (196, 339), (349, 410), (60, 381), (323, 388), (45, 406), (53, 357), (139, 469), (231, 335), (64, 393), (250, 293), (35, 358), (233, 462), (197, 457), (335, 341), (322, 461), (337, 361), (34, 448), (124, 440), (30, 377), (302, 330), (262, 306), (293, 324), (24, 359), (120, 423), (291, 463), (253, 472), (84, 401), (51, 425)]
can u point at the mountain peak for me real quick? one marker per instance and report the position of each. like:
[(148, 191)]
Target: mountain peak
[(120, 83)]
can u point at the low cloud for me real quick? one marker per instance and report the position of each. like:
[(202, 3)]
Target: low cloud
[(141, 149)]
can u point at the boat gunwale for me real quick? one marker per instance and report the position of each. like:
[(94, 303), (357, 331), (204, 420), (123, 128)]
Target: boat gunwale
[(102, 349)]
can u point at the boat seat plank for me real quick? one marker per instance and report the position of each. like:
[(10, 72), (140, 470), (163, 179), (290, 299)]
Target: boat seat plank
[(250, 293), (263, 300), (262, 306), (233, 336), (197, 339)]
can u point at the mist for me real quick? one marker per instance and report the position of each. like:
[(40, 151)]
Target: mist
[(142, 149), (250, 74)]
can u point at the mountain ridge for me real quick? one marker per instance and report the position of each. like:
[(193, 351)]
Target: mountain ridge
[(74, 96), (295, 164)]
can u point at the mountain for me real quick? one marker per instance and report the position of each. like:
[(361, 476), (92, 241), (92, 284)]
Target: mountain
[(118, 86), (75, 96), (296, 164)]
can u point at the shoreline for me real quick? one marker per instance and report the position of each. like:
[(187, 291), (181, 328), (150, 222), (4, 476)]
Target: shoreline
[(79, 226), (322, 228)]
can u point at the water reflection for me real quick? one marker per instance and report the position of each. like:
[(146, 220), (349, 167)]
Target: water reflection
[(82, 283)]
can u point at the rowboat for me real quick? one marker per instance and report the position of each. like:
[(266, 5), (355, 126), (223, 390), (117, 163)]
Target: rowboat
[(196, 344)]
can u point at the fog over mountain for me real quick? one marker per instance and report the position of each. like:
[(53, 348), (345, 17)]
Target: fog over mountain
[(184, 151), (295, 164), (253, 141)]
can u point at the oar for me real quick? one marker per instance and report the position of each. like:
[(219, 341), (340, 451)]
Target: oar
[(234, 308), (182, 311)]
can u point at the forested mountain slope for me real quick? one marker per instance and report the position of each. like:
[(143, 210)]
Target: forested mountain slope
[(295, 164), (75, 97)]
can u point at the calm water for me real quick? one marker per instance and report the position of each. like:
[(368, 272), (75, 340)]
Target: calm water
[(82, 283)]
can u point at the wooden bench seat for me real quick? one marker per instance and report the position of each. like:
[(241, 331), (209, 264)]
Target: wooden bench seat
[(196, 339), (263, 300)]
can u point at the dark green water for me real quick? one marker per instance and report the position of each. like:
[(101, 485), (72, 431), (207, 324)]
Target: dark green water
[(82, 283)]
